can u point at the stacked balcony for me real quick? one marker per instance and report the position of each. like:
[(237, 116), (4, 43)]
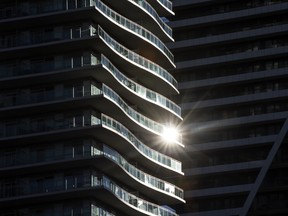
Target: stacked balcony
[(85, 97)]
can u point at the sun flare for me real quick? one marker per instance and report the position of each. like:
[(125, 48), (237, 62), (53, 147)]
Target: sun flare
[(170, 134)]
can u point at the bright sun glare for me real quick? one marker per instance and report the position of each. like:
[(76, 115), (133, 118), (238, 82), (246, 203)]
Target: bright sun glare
[(170, 134)]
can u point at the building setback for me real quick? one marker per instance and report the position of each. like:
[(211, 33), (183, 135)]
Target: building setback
[(231, 65), (84, 101)]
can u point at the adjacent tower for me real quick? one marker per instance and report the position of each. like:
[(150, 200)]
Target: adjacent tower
[(232, 68), (84, 102)]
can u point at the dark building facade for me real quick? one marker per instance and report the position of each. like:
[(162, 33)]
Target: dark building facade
[(84, 103), (231, 64)]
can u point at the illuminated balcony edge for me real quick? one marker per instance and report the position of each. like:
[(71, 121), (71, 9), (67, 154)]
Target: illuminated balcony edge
[(119, 193), (139, 89), (148, 179), (110, 124), (126, 54), (167, 4), (145, 6), (146, 151), (98, 181), (126, 82), (97, 150), (136, 59), (134, 28), (138, 118), (105, 91)]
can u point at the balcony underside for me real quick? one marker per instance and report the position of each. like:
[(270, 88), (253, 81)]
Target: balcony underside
[(149, 79), (136, 42), (105, 135), (100, 74), (97, 193), (103, 164)]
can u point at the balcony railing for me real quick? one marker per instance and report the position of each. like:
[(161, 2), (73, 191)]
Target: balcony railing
[(139, 89), (151, 11), (136, 116), (48, 6), (134, 27), (82, 119), (145, 150), (82, 181), (88, 59), (166, 3), (135, 58), (22, 39), (91, 151)]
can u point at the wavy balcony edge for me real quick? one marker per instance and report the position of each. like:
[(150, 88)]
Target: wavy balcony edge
[(105, 122)]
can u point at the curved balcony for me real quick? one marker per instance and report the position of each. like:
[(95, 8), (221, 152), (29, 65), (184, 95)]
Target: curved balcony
[(137, 60), (140, 90), (151, 12), (92, 184), (166, 57), (146, 180), (164, 7), (74, 124), (133, 201), (138, 118), (133, 63), (141, 10), (156, 23), (138, 30), (103, 158), (144, 150), (108, 73)]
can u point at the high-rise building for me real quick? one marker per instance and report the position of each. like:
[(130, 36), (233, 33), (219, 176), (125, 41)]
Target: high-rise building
[(232, 68), (84, 104)]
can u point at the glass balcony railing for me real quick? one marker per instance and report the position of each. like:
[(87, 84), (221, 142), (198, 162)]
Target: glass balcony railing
[(134, 27), (47, 6), (86, 118), (91, 150), (80, 181), (84, 32), (136, 116), (34, 37), (139, 89), (81, 60), (143, 177), (135, 58), (150, 10), (132, 200), (153, 155), (76, 90), (166, 3)]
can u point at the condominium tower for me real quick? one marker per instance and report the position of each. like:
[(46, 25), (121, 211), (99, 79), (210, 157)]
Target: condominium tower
[(232, 68), (84, 104)]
